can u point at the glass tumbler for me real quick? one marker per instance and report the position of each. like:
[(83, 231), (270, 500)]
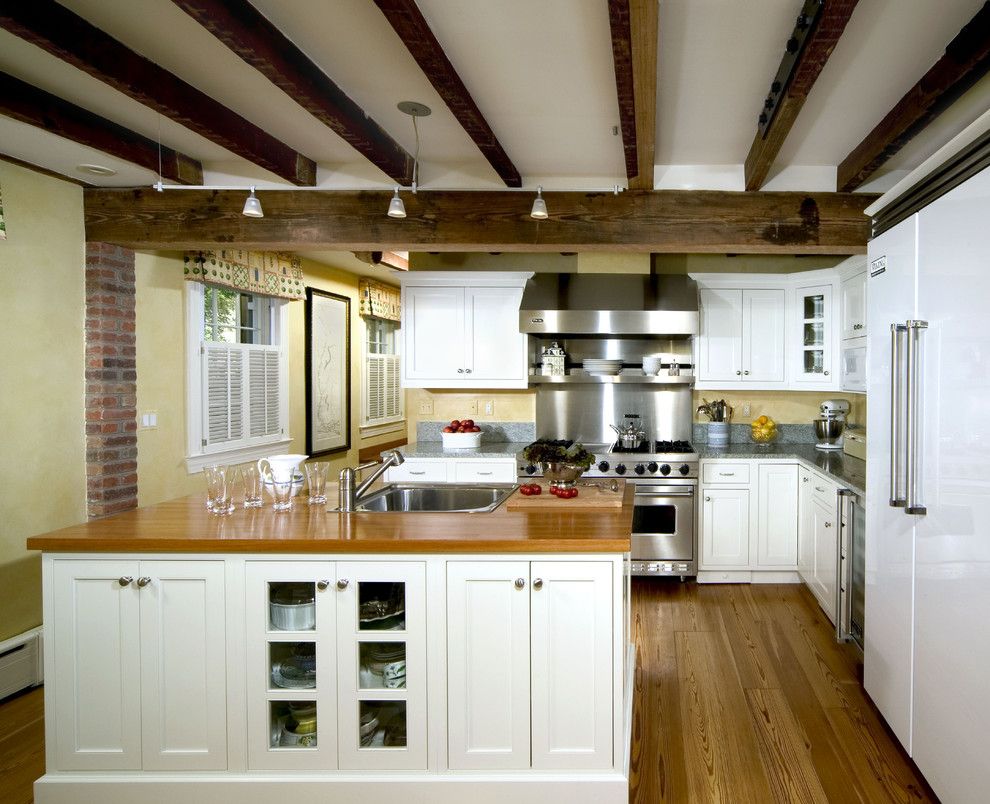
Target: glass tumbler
[(316, 479), (281, 492), (252, 486), (220, 489)]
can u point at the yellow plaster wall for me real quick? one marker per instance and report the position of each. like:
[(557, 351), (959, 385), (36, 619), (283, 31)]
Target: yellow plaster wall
[(784, 407), (42, 279), (161, 359), (510, 406)]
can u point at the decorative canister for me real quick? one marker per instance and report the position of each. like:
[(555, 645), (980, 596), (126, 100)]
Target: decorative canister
[(553, 359), (718, 434)]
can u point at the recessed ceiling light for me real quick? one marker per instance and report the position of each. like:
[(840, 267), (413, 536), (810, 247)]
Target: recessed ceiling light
[(97, 170)]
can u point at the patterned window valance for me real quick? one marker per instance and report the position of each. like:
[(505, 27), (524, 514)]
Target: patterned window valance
[(380, 301), (268, 273)]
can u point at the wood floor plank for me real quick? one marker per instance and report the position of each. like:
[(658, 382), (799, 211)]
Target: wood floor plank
[(22, 761), (741, 624), (785, 750), (19, 711)]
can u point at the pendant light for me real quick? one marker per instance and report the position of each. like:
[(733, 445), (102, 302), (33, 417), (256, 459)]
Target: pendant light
[(252, 206), (396, 209), (539, 210)]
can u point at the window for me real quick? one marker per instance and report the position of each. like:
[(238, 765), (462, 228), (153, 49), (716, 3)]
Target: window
[(237, 399), (383, 398)]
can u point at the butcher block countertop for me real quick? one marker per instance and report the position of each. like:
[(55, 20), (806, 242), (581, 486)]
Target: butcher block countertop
[(185, 526)]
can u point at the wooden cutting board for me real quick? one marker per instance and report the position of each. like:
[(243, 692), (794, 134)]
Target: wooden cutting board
[(589, 497)]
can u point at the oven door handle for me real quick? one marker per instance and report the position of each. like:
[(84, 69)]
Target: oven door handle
[(685, 491)]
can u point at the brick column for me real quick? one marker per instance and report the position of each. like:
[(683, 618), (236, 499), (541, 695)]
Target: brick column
[(111, 381)]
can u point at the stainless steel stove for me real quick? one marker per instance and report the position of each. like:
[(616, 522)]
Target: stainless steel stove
[(665, 474)]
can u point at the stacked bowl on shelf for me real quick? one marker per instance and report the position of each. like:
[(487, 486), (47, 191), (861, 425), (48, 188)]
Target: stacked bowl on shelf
[(602, 366)]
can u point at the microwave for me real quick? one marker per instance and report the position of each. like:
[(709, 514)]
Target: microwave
[(854, 365)]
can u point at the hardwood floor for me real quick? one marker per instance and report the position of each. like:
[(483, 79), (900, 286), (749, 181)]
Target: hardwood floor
[(22, 745), (743, 695)]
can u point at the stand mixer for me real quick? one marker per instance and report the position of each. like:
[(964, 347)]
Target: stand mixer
[(831, 424)]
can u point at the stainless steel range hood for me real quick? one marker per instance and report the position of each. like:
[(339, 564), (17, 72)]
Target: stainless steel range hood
[(610, 304)]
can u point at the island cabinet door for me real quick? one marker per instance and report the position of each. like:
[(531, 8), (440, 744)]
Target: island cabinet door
[(183, 665), (488, 687), (291, 664), (381, 665), (95, 640), (571, 664)]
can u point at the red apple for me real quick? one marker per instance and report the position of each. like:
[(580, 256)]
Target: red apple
[(468, 422), (448, 429), (476, 429), (455, 424)]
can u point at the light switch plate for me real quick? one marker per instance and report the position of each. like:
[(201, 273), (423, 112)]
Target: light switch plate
[(149, 420)]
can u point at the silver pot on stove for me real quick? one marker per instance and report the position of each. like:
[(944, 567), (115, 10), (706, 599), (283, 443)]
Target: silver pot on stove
[(630, 435)]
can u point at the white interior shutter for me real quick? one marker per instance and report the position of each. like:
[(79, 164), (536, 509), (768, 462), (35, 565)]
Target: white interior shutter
[(393, 388), (375, 391), (223, 381), (263, 391)]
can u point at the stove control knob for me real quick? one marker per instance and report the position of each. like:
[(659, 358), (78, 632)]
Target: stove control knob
[(620, 469), (684, 469), (603, 466), (640, 469), (652, 467), (665, 469), (531, 470)]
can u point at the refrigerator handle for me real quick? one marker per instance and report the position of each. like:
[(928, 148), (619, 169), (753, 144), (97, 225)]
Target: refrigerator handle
[(843, 576), (896, 497), (914, 329)]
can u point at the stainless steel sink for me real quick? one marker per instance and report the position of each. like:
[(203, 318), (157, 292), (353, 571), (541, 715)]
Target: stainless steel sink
[(446, 498)]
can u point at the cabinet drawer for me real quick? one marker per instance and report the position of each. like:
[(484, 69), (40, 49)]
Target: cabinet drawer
[(484, 471), (424, 471), (823, 491), (726, 473)]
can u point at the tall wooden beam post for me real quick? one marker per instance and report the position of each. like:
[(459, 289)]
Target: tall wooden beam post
[(68, 36), (816, 33)]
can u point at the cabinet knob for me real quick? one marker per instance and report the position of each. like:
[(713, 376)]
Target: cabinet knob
[(708, 499), (805, 479), (467, 371), (745, 372), (520, 583), (460, 371), (828, 524), (143, 581), (125, 580), (738, 373), (826, 373), (321, 585), (342, 583), (537, 583)]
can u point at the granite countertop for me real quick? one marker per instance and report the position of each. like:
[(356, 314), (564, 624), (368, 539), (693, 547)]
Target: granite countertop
[(844, 469), (434, 449)]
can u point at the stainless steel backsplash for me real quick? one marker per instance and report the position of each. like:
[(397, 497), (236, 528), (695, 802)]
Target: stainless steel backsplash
[(585, 411)]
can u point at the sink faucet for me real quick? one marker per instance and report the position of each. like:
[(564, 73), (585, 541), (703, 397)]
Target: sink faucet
[(349, 495)]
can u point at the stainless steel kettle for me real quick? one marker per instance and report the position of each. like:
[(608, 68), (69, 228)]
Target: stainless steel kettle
[(630, 435)]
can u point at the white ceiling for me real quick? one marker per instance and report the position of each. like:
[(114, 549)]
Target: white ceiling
[(542, 75)]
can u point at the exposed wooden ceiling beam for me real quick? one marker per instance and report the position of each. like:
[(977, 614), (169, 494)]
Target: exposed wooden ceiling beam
[(251, 36), (966, 60), (815, 36), (414, 31), (634, 26), (36, 107), (71, 38), (671, 221)]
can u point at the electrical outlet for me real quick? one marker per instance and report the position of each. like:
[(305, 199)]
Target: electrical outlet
[(489, 407), (426, 406), (746, 409), (472, 407)]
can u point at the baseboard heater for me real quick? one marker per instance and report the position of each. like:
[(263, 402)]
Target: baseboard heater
[(21, 663)]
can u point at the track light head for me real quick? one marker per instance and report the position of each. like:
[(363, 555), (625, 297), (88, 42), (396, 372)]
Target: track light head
[(252, 206), (396, 209), (539, 210)]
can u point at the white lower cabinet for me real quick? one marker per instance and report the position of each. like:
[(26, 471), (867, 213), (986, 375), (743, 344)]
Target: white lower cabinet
[(824, 569), (725, 528), (453, 470), (525, 642), (777, 516), (337, 665), (806, 526), (139, 664)]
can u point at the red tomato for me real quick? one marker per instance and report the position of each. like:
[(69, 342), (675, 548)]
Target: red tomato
[(574, 493), (525, 491), (535, 490)]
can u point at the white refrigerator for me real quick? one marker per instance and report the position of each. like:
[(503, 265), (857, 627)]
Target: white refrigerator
[(927, 641)]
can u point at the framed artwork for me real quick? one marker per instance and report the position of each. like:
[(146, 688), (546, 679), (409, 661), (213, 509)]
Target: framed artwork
[(328, 372)]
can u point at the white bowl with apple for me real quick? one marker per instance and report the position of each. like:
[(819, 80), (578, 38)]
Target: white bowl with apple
[(461, 434)]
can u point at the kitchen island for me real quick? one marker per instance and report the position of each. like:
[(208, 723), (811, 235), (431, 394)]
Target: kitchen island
[(316, 656)]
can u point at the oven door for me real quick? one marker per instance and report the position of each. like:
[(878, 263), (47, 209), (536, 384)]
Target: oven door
[(663, 521)]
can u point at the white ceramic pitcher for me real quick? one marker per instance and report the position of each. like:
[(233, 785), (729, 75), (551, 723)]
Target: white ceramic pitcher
[(281, 468)]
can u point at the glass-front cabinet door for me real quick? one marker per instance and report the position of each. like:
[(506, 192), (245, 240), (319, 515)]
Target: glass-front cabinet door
[(814, 347), (291, 665), (381, 665)]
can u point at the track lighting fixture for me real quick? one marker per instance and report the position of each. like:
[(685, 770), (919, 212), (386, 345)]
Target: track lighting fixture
[(396, 209), (539, 210), (252, 206)]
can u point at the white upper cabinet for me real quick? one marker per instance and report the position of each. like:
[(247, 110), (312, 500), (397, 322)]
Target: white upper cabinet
[(461, 330), (814, 337), (742, 338)]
